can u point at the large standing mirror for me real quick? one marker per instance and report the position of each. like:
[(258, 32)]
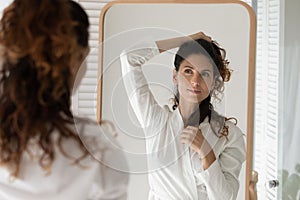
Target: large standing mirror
[(123, 24)]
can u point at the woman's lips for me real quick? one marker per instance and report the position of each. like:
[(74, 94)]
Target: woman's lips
[(195, 91)]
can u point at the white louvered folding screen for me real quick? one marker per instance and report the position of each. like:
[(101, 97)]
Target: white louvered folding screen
[(85, 99), (249, 2), (267, 94)]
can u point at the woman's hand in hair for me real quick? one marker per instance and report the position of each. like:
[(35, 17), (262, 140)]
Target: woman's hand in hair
[(193, 137), (164, 45), (200, 35)]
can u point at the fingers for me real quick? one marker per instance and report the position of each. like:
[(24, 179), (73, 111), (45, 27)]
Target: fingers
[(192, 128), (187, 137), (207, 38), (189, 133), (193, 137), (201, 35), (204, 36)]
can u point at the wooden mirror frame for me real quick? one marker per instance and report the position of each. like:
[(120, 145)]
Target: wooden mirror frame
[(251, 68)]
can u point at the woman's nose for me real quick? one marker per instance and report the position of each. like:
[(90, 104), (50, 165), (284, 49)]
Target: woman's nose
[(194, 83), (196, 80)]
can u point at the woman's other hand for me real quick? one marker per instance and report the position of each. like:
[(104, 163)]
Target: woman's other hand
[(193, 137)]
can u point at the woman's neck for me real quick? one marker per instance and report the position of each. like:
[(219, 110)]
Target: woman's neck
[(186, 109)]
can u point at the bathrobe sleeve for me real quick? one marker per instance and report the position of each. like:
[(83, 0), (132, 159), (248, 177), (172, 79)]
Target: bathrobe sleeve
[(149, 113), (221, 178)]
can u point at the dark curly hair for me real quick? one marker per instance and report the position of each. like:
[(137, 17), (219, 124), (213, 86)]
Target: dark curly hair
[(222, 73), (38, 40)]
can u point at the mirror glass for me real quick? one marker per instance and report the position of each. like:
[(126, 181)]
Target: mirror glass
[(123, 25)]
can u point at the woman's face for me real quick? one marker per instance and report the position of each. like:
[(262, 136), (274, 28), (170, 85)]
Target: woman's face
[(194, 78)]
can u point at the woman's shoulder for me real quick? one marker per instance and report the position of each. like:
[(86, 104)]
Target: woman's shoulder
[(98, 137), (235, 134), (233, 126), (89, 126)]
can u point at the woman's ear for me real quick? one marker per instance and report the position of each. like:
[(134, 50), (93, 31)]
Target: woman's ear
[(76, 62), (175, 81), (78, 67)]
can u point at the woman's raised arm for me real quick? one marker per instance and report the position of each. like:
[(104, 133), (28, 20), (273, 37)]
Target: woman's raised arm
[(164, 45)]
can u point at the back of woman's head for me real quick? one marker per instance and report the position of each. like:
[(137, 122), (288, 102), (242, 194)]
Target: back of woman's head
[(38, 39), (79, 16)]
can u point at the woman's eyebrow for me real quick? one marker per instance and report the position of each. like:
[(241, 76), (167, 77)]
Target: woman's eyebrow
[(208, 70), (202, 70), (189, 66)]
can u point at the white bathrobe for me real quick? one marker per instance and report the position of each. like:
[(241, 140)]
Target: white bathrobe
[(175, 171), (95, 179)]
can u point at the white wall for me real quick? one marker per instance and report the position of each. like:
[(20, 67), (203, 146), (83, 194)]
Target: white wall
[(291, 71), (290, 96)]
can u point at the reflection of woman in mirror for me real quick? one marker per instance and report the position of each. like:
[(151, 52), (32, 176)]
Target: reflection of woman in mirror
[(42, 46), (195, 152)]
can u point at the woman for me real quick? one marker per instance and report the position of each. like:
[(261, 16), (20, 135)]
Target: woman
[(194, 152), (42, 156)]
